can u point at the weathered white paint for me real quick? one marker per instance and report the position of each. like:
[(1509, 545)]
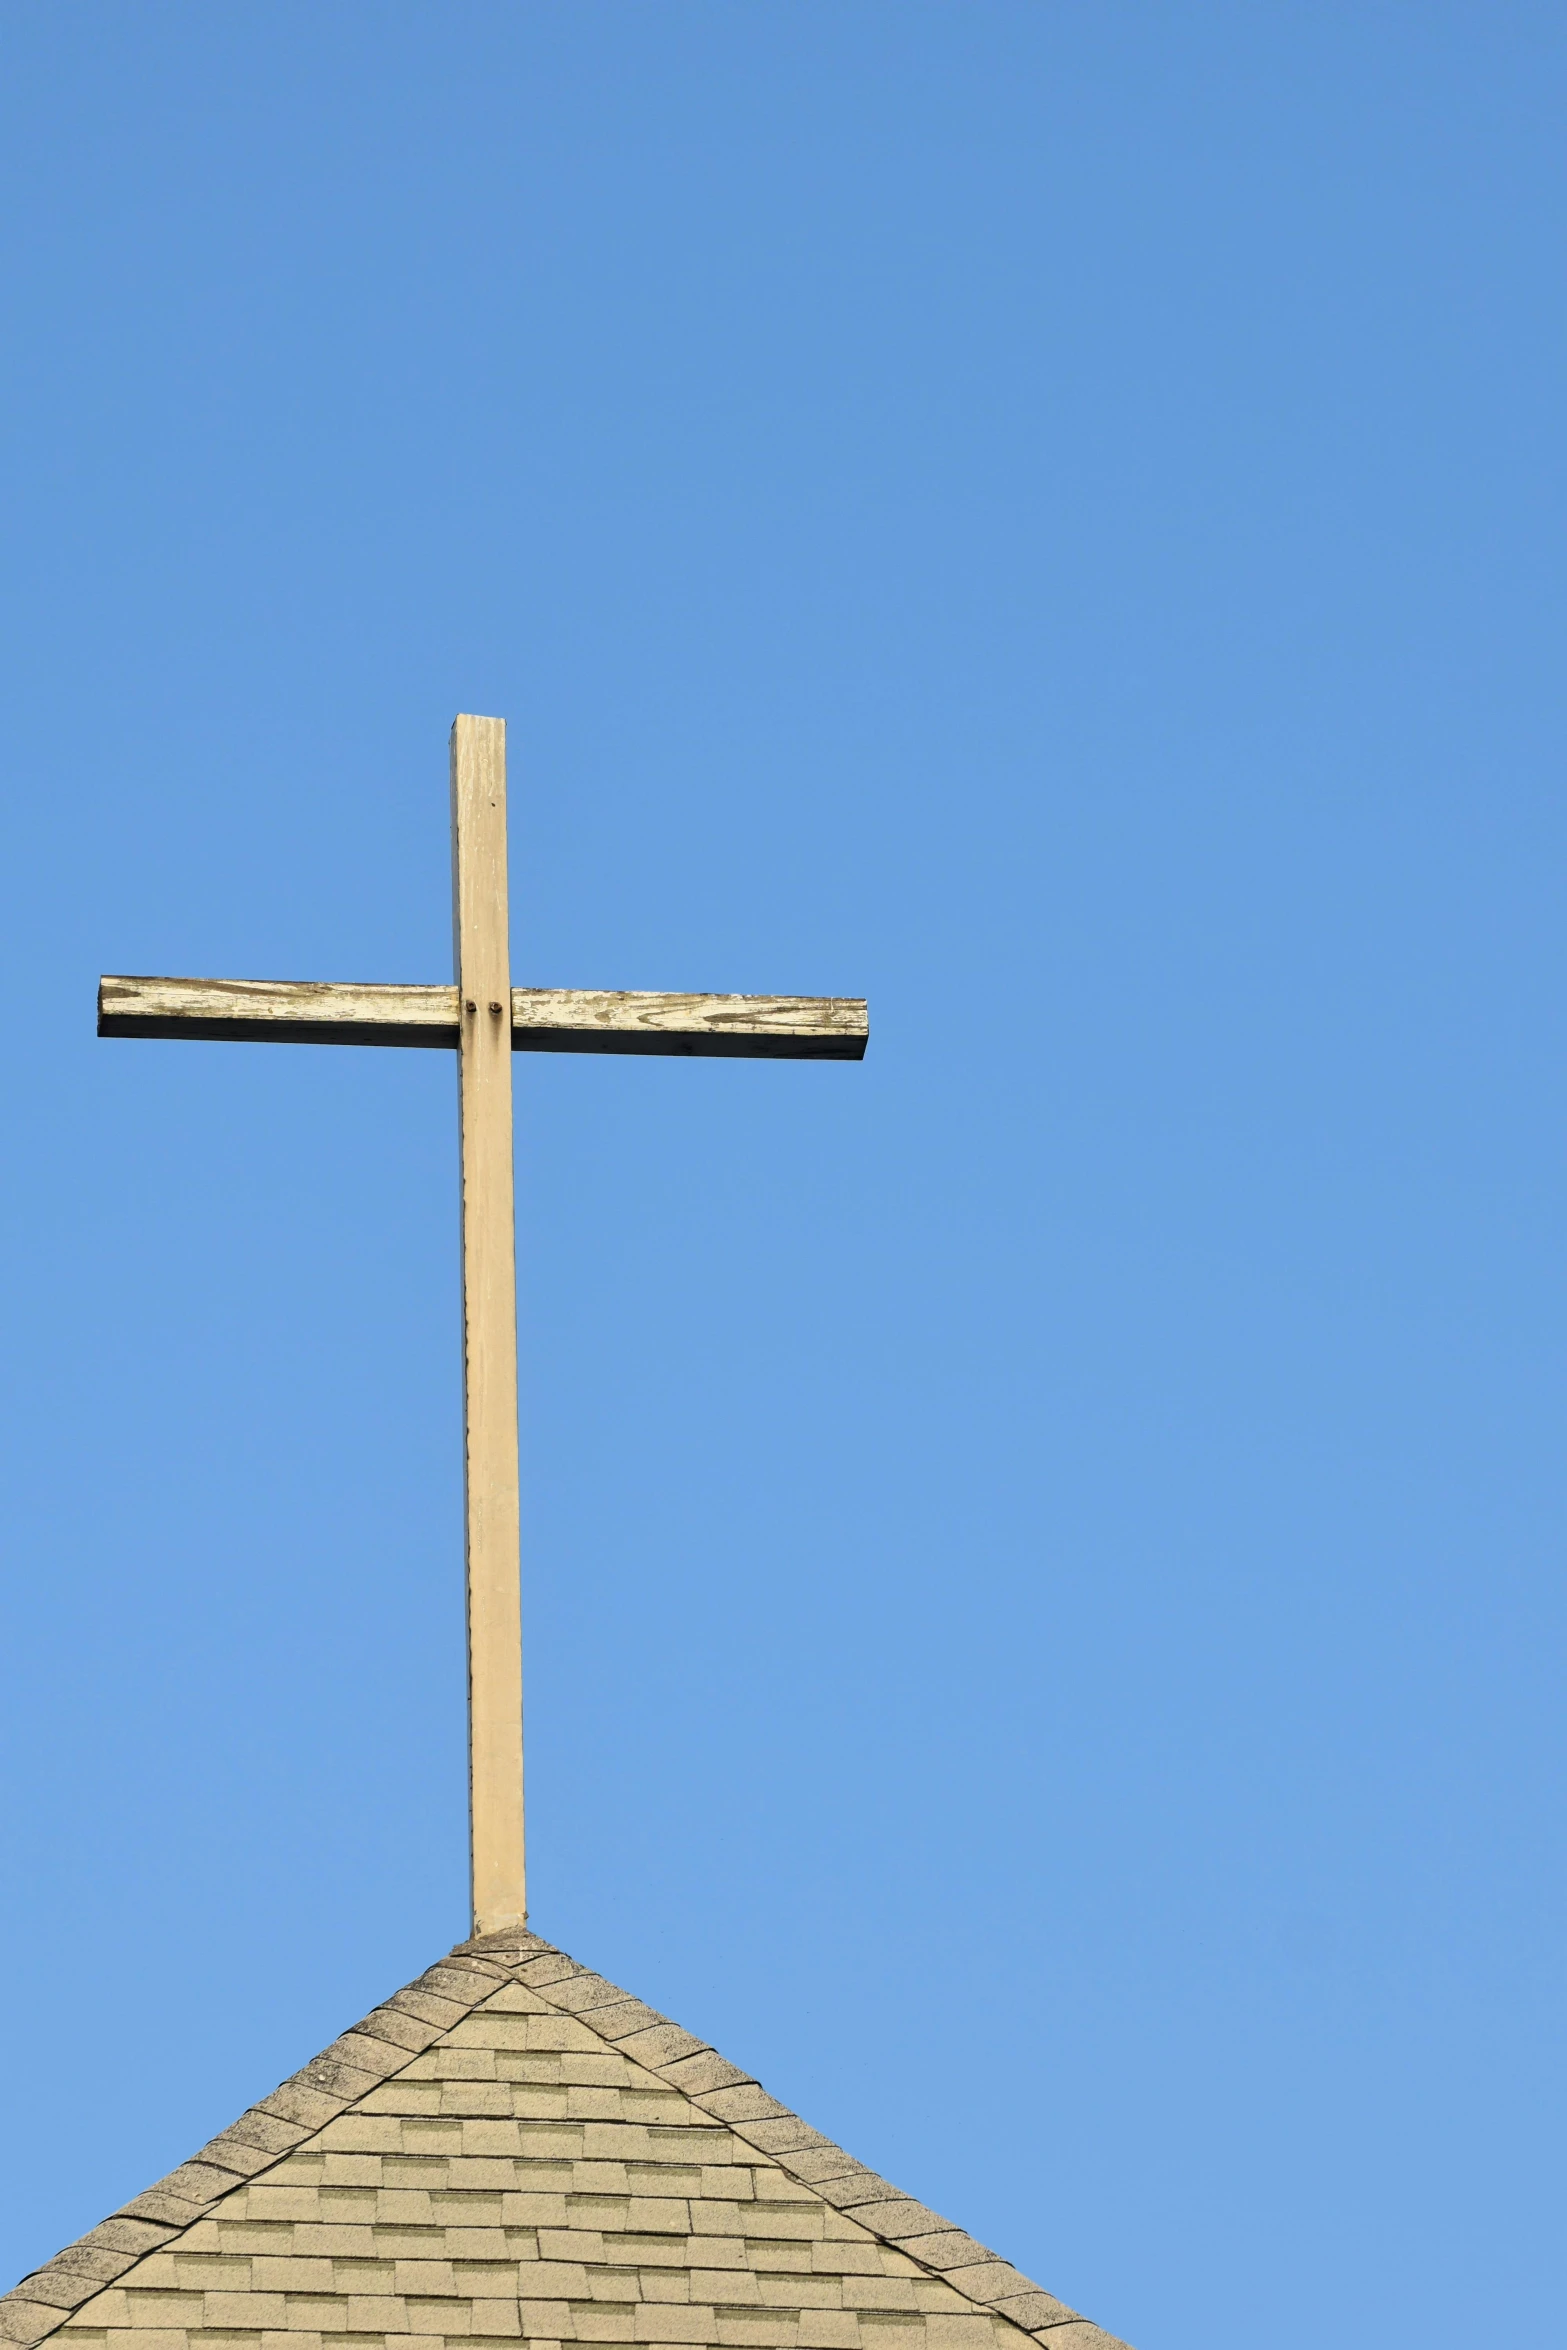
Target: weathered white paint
[(283, 1011), (543, 1019), (757, 1027)]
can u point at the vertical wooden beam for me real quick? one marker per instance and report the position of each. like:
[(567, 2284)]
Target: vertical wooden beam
[(489, 1301)]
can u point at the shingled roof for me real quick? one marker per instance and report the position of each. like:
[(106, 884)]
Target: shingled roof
[(513, 2150)]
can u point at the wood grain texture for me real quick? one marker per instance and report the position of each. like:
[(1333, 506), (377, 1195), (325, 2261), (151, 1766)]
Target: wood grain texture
[(277, 1011), (717, 1027), (543, 1019), (489, 1291)]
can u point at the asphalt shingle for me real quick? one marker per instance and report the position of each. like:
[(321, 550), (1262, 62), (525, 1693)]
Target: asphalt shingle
[(513, 2150)]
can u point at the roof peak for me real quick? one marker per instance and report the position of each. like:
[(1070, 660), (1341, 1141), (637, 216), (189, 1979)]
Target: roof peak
[(492, 1978)]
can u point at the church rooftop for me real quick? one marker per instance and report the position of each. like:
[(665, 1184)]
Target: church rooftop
[(512, 2150)]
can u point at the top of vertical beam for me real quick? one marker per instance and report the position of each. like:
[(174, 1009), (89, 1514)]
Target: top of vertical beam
[(480, 953)]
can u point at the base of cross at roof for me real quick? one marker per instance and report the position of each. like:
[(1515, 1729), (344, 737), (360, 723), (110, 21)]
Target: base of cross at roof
[(512, 2150)]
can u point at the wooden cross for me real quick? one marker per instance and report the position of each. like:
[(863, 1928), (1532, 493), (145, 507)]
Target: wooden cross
[(486, 1020)]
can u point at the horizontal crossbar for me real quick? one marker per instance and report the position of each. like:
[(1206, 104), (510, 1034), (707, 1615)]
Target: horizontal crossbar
[(543, 1019)]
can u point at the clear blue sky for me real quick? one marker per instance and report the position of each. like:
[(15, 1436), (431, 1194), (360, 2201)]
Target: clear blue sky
[(1042, 1570)]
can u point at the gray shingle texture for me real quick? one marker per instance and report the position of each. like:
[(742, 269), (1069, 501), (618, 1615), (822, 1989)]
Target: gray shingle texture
[(512, 2151)]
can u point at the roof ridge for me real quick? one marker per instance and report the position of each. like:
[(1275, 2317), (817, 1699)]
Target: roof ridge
[(737, 2099), (402, 2028)]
